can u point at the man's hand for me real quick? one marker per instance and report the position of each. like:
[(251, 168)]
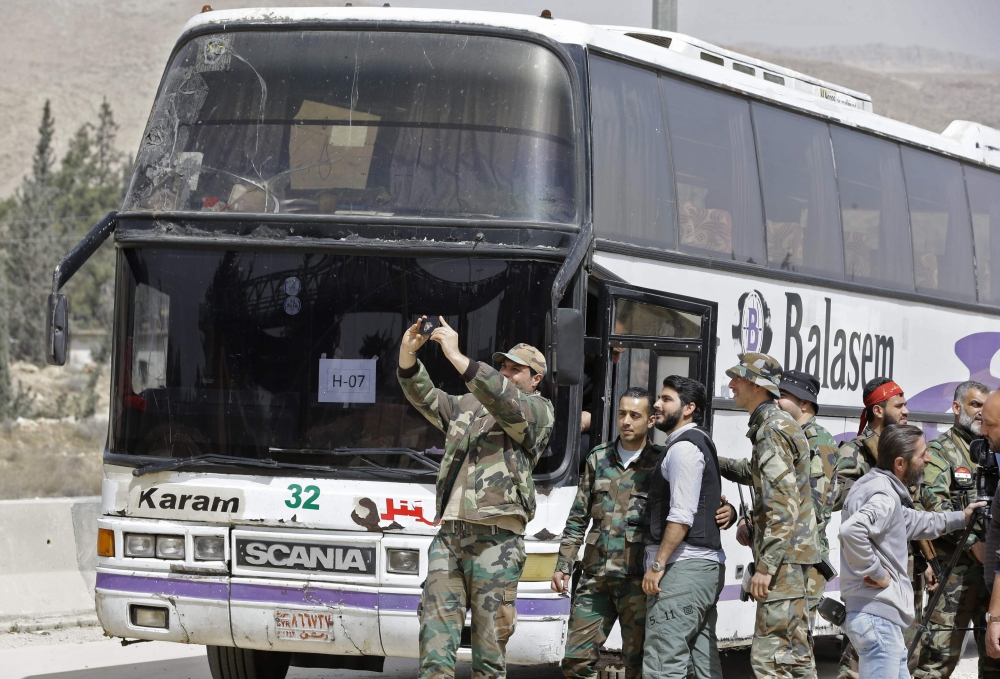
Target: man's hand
[(930, 580), (725, 515), (448, 339), (584, 422), (560, 581), (979, 551), (412, 341), (993, 639), (970, 511), (651, 581), (881, 584), (760, 585), (743, 533)]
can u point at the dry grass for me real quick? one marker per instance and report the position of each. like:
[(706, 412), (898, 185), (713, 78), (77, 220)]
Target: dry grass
[(56, 456)]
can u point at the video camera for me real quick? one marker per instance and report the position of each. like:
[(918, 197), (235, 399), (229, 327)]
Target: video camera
[(987, 471)]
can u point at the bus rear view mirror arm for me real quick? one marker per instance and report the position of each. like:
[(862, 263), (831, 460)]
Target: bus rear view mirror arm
[(57, 333), (566, 327)]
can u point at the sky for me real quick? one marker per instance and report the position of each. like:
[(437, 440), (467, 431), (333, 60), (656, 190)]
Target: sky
[(953, 25)]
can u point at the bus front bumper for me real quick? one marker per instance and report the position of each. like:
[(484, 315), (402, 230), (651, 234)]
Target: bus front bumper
[(287, 615)]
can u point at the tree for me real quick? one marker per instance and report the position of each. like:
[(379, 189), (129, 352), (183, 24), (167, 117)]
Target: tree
[(30, 255)]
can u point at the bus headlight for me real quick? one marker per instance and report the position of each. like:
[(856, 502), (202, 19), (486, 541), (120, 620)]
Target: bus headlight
[(403, 561), (539, 567), (141, 546), (170, 546), (209, 548)]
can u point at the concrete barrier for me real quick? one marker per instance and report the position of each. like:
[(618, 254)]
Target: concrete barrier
[(48, 550)]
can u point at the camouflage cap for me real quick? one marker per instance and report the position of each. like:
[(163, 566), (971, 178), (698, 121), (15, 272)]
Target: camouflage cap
[(761, 369), (524, 354)]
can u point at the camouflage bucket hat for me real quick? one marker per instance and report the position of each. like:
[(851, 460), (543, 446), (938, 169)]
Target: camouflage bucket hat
[(524, 354), (761, 369)]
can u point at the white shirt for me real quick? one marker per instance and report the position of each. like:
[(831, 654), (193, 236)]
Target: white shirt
[(627, 456), (683, 466)]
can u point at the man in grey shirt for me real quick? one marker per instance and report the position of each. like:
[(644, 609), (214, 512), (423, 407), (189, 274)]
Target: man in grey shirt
[(684, 556)]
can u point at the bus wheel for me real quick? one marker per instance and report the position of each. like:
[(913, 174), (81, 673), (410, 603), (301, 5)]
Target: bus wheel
[(226, 662)]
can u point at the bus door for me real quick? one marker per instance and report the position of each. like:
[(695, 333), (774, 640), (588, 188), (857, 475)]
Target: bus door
[(646, 335)]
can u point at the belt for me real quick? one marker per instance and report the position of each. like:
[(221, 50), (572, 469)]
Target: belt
[(467, 529)]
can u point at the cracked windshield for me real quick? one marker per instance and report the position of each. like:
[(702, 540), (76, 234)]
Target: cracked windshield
[(360, 123), (292, 357)]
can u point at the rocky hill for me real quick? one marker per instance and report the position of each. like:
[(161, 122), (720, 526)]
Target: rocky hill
[(75, 53)]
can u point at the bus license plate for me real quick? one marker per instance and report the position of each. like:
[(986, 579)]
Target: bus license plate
[(303, 625)]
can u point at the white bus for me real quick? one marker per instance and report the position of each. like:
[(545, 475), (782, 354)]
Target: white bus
[(311, 180)]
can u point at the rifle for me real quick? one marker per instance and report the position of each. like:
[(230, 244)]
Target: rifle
[(751, 568), (931, 557)]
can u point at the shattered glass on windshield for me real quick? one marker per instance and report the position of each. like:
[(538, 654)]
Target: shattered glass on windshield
[(361, 123)]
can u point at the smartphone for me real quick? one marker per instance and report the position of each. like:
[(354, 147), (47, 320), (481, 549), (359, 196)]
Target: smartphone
[(428, 325)]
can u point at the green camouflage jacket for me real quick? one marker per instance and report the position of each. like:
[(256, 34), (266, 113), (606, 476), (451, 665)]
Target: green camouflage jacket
[(615, 499), (784, 519), (823, 454), (503, 429), (941, 492), (854, 460)]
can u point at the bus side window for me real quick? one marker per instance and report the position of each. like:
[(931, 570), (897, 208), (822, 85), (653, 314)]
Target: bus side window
[(715, 165), (800, 193), (939, 220), (984, 197), (873, 207), (633, 187)]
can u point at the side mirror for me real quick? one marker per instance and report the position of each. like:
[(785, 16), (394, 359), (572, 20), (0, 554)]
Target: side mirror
[(57, 336), (569, 348)]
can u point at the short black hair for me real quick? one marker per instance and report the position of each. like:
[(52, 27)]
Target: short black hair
[(639, 393), (895, 441), (872, 385), (689, 391)]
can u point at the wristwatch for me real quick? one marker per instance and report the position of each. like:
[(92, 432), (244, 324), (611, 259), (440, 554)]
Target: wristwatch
[(656, 567), (992, 618)]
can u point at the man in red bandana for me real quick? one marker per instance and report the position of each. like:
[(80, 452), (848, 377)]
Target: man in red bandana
[(885, 404)]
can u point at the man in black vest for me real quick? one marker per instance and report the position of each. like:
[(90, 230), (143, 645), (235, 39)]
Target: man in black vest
[(684, 556)]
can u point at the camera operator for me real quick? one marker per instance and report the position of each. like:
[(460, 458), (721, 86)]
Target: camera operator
[(991, 432), (485, 496), (878, 521)]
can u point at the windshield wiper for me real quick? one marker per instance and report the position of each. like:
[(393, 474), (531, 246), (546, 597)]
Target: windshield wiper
[(218, 460), (360, 453)]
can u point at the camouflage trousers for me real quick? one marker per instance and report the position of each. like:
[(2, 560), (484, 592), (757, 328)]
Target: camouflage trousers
[(781, 645), (597, 603), (965, 601), (849, 658), (478, 572)]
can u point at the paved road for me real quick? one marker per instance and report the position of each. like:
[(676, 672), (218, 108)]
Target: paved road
[(82, 654)]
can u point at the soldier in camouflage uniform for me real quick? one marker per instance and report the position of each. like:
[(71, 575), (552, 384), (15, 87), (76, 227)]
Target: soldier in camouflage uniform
[(785, 541), (949, 485), (612, 494), (885, 404), (800, 399), (485, 497)]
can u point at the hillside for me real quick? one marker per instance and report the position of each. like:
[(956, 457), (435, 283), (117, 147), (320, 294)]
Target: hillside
[(75, 53)]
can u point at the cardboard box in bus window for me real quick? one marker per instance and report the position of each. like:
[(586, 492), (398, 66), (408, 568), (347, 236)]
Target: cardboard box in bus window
[(331, 156)]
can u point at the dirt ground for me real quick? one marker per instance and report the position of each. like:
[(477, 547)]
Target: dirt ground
[(56, 453)]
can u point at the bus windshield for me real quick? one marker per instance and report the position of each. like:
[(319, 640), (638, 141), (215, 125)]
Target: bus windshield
[(292, 357), (361, 123)]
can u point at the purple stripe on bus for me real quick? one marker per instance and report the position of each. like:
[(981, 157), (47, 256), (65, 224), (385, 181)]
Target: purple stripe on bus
[(170, 586), (398, 602), (309, 596)]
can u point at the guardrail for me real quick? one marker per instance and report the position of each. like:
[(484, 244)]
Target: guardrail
[(48, 550)]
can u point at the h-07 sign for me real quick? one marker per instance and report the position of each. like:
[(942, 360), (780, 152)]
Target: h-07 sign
[(347, 380)]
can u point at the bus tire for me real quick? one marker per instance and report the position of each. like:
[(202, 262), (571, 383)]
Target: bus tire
[(225, 662)]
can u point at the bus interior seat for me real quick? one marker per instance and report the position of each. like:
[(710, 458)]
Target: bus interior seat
[(925, 269), (785, 238), (706, 228), (857, 254)]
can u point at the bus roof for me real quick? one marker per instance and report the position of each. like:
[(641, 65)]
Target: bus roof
[(670, 51)]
